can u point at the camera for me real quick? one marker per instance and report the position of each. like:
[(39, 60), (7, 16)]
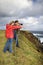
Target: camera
[(21, 24)]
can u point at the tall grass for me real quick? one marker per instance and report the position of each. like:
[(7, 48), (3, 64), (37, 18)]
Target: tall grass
[(25, 55)]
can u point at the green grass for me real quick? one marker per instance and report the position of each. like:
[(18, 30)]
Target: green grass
[(25, 55)]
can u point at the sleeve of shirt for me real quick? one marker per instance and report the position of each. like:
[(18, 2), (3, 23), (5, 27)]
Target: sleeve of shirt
[(16, 27)]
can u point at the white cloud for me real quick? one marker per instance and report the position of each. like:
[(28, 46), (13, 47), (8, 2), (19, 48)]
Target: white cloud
[(29, 20), (2, 27), (41, 20), (29, 23), (13, 7), (33, 23), (29, 12), (21, 8)]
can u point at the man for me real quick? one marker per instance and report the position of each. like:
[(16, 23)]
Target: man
[(16, 33), (10, 35)]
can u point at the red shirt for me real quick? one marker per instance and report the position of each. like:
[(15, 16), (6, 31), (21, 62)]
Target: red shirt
[(9, 30)]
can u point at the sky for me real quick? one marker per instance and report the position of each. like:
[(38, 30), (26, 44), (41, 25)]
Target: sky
[(28, 12)]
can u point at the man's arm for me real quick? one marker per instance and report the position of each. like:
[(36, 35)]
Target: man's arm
[(17, 27)]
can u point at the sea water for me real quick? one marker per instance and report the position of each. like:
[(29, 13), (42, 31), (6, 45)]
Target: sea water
[(38, 34)]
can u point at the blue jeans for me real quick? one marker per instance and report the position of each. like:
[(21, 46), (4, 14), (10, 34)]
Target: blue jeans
[(16, 37), (8, 45)]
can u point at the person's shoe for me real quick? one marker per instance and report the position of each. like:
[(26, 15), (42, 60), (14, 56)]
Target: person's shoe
[(17, 46), (10, 51), (7, 49)]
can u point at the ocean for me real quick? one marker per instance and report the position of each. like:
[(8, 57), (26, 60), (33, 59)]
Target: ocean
[(38, 34)]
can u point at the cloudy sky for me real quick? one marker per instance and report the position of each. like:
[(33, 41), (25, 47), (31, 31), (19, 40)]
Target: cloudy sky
[(28, 12)]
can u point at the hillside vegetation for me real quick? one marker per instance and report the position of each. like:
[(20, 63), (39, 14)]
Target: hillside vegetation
[(27, 54)]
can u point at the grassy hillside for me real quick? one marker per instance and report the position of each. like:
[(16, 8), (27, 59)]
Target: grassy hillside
[(34, 40), (25, 55)]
